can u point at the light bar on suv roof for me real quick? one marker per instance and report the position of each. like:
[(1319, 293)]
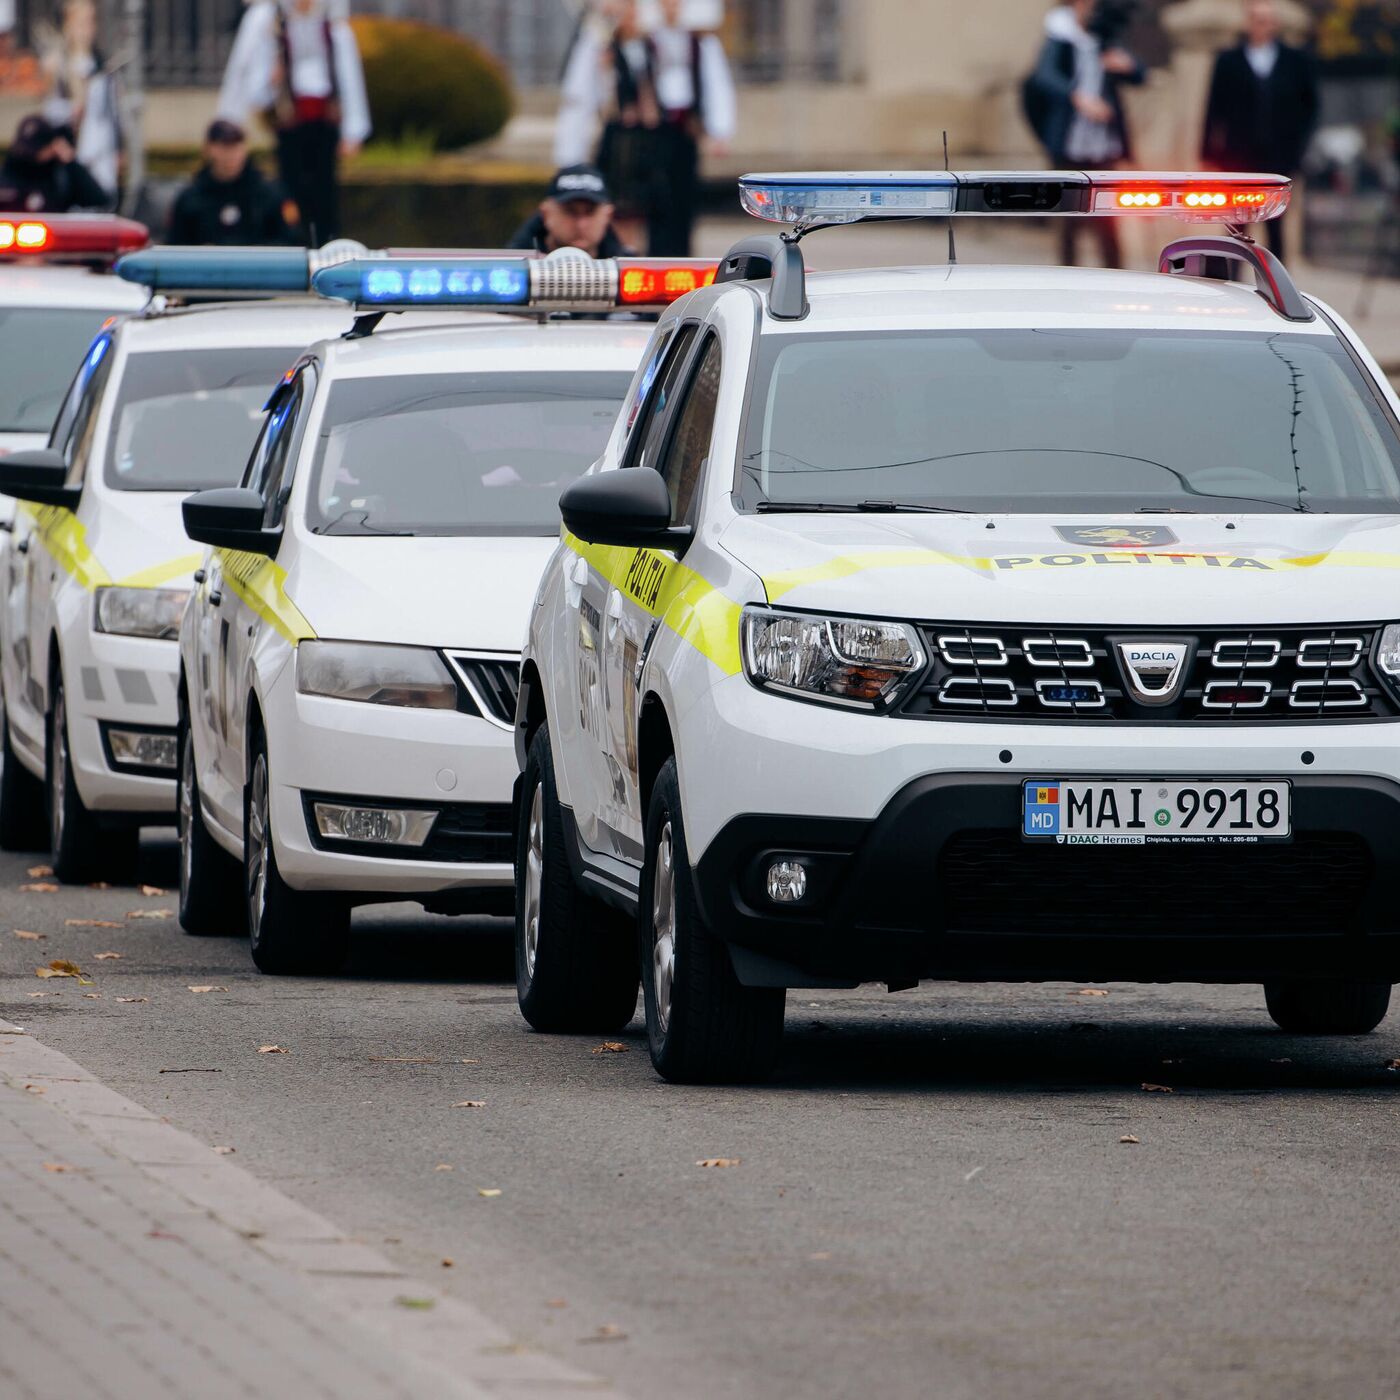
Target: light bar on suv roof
[(235, 271), (79, 237), (844, 197)]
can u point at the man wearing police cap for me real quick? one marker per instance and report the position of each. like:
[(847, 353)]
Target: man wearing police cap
[(576, 213), (229, 201)]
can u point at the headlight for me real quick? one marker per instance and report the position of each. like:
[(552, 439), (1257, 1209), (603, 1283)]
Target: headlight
[(376, 674), (841, 660), (1388, 651), (140, 612)]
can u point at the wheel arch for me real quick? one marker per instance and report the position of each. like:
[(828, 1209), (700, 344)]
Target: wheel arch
[(655, 744)]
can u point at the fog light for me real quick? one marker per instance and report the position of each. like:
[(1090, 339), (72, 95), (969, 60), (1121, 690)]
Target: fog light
[(384, 826), (133, 748), (787, 881)]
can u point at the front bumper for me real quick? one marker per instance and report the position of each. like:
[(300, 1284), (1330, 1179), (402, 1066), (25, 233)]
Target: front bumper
[(939, 885)]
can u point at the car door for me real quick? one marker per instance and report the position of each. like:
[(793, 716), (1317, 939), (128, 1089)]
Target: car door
[(680, 452)]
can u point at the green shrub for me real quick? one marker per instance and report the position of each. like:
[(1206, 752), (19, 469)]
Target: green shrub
[(428, 83)]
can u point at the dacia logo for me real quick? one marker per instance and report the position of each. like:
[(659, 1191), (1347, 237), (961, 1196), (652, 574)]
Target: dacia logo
[(1116, 536), (1154, 672)]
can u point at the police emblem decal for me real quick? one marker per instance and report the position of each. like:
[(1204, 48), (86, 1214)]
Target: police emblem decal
[(1116, 536)]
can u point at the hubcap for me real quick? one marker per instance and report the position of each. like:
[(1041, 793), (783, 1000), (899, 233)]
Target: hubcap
[(58, 769), (184, 813), (256, 842), (663, 925), (534, 878)]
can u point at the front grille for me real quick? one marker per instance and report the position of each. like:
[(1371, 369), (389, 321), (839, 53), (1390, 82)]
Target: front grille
[(489, 684), (1231, 675), (993, 882)]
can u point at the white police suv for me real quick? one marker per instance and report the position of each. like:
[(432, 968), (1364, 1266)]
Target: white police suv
[(994, 623), (99, 569), (350, 657)]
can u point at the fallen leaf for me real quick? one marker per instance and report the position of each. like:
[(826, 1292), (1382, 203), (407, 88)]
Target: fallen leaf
[(719, 1162), (33, 1088), (1128, 1138), (443, 1167), (468, 1062), (41, 994), (151, 914), (419, 1304), (92, 996), (39, 872), (608, 1332), (448, 1263), (267, 1049), (1158, 1089), (130, 999), (820, 1254), (106, 957), (90, 923), (470, 1103), (30, 937), (216, 989), (610, 1047), (152, 891), (225, 1151), (58, 1167), (59, 967), (557, 1303), (1091, 992), (40, 887), (488, 1190)]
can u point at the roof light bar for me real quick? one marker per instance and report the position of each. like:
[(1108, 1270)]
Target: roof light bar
[(81, 237), (567, 280), (854, 196), (235, 271)]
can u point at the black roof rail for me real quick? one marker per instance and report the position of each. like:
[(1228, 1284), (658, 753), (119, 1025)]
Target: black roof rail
[(770, 255), (1271, 280)]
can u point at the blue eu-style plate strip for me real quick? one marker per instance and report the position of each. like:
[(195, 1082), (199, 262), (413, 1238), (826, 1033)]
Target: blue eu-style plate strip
[(1040, 807)]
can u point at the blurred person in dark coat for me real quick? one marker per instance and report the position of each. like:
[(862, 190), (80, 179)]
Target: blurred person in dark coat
[(1262, 106), (42, 174), (576, 213), (229, 201)]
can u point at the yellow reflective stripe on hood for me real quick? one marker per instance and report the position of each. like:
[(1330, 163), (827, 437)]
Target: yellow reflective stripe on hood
[(158, 574), (261, 583), (684, 601)]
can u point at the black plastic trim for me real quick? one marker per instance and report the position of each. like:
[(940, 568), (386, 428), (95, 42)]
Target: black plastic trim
[(604, 877)]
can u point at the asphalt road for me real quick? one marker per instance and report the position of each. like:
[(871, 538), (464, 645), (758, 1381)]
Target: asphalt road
[(932, 1198)]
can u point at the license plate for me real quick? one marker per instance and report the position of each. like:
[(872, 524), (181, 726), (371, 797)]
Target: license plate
[(1137, 813)]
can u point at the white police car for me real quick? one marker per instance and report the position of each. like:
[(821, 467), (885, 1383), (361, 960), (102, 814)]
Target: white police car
[(349, 660), (100, 568), (996, 623)]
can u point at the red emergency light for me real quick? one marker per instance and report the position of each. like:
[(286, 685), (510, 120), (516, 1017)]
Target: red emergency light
[(647, 282), (1231, 199), (81, 237)]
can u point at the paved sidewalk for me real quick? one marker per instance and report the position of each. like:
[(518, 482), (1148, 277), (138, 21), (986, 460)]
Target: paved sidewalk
[(136, 1262)]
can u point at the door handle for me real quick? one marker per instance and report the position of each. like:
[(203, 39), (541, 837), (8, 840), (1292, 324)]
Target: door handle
[(23, 545), (199, 576), (215, 598)]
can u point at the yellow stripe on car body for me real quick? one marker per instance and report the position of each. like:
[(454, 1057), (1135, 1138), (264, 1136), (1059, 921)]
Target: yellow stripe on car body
[(261, 584)]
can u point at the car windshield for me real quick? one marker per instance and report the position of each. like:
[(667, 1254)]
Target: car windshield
[(1043, 420), (39, 348), (457, 454), (187, 419)]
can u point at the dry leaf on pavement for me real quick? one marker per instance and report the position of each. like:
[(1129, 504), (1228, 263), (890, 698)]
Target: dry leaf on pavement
[(1128, 1138), (608, 1332), (60, 967), (1091, 992), (39, 872), (221, 989), (106, 957), (90, 923), (443, 1167), (31, 937), (41, 994), (133, 999), (33, 1088), (719, 1162), (92, 996), (150, 914), (267, 1049), (488, 1190), (470, 1103), (610, 1047), (39, 887), (152, 891), (1158, 1089), (58, 1167), (448, 1263), (224, 1151)]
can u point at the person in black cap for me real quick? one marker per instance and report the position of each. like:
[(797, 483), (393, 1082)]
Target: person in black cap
[(229, 201), (576, 213), (41, 174)]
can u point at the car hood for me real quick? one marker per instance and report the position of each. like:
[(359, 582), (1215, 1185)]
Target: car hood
[(1174, 570), (136, 538), (472, 592)]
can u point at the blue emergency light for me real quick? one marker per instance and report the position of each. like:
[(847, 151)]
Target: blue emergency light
[(234, 271), (423, 282)]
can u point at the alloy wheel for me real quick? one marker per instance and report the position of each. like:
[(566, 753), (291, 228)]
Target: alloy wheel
[(534, 878), (663, 924), (184, 814), (58, 770), (257, 842)]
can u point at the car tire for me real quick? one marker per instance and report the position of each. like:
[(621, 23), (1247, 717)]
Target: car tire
[(703, 1025), (575, 970), (210, 899), (290, 932), (82, 849), (1333, 1006), (22, 823)]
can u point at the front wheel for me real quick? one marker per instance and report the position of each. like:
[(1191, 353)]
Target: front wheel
[(574, 967), (209, 884), (289, 931), (1337, 1006), (704, 1026)]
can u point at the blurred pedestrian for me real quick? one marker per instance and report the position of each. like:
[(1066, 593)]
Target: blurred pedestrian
[(297, 63), (1074, 104), (1262, 106), (229, 201), (42, 174), (84, 98), (576, 213)]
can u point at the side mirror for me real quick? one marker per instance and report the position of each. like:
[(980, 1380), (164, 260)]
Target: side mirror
[(230, 517), (630, 506), (38, 476)]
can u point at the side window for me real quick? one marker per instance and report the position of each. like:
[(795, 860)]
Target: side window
[(98, 354), (76, 445), (689, 448), (267, 471), (646, 439), (648, 377)]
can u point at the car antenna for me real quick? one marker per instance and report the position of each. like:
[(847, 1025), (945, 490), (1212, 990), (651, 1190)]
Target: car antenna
[(952, 244)]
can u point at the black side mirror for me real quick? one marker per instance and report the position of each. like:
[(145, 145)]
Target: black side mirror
[(230, 517), (627, 507), (38, 476)]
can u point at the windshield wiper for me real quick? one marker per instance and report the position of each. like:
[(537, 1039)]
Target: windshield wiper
[(356, 526), (852, 508)]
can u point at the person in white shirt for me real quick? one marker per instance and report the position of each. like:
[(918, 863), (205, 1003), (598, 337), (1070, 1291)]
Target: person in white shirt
[(83, 95), (296, 62)]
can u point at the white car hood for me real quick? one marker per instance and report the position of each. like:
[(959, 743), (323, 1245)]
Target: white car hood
[(139, 537), (1193, 570), (469, 592)]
